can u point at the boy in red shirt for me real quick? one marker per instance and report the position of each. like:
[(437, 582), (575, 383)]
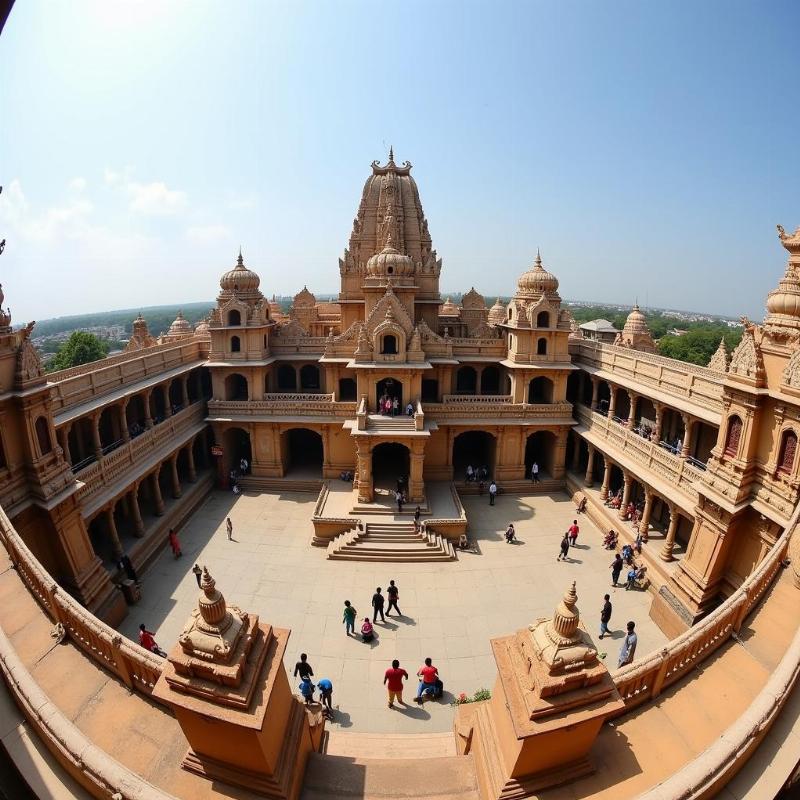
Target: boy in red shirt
[(393, 680), (428, 675), (148, 641), (573, 532)]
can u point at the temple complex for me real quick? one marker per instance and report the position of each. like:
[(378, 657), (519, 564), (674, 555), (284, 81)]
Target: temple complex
[(393, 388)]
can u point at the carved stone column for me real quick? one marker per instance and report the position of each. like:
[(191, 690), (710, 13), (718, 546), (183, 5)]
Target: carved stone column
[(136, 512), (190, 462), (148, 417), (415, 482), (167, 400), (176, 481), (123, 421), (669, 542), (595, 391), (63, 441), (588, 479), (626, 493), (612, 403), (644, 523), (606, 480), (576, 452), (659, 407), (364, 470), (116, 544), (634, 403), (185, 391), (97, 445), (157, 498), (688, 430)]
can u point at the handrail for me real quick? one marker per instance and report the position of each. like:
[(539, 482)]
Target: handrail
[(645, 679), (476, 398)]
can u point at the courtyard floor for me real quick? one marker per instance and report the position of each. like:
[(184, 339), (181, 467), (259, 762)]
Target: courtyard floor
[(450, 610)]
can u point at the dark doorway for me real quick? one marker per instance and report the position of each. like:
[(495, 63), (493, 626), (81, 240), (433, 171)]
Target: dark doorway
[(540, 390), (430, 390), (236, 387), (540, 448), (390, 461), (309, 378), (302, 453), (466, 380), (490, 381), (287, 378), (347, 389), (390, 387), (475, 449), (236, 446)]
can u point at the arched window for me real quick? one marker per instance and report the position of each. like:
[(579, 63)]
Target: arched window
[(787, 452), (236, 387), (541, 347), (466, 380), (543, 319), (309, 377), (287, 378), (389, 345), (236, 344), (234, 317), (43, 436), (347, 389), (732, 437)]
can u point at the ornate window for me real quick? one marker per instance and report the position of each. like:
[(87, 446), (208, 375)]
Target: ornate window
[(43, 436), (543, 319), (541, 347), (732, 437), (389, 345), (787, 452), (236, 344), (234, 317)]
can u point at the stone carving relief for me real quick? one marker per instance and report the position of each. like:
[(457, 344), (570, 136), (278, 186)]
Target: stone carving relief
[(721, 358), (29, 367), (791, 373), (378, 313), (291, 329), (746, 359)]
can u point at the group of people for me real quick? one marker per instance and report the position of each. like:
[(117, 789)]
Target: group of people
[(569, 539), (307, 687), (389, 406), (476, 474), (378, 603)]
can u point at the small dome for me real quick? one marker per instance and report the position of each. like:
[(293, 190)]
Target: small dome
[(202, 328), (180, 326), (497, 313), (240, 278), (390, 261), (448, 309), (537, 280), (636, 322)]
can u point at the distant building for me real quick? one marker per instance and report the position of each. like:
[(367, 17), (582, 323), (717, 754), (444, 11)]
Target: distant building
[(599, 330)]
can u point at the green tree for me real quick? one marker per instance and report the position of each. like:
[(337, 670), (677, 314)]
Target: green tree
[(80, 348)]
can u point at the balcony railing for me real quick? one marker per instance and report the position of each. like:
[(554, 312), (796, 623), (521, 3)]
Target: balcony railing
[(677, 471), (495, 406), (296, 405)]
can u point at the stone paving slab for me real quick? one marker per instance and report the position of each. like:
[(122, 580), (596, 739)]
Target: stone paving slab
[(451, 610)]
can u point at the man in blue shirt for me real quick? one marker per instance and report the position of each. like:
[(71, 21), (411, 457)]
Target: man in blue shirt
[(326, 695)]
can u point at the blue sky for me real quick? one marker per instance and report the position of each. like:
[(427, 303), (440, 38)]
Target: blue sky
[(647, 148)]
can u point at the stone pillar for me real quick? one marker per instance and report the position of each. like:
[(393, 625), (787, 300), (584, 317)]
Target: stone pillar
[(190, 462), (612, 402), (416, 487), (63, 441), (576, 451), (595, 391), (688, 431), (148, 418), (116, 544), (364, 471), (606, 481), (97, 445), (669, 542), (136, 512), (123, 421), (634, 403), (659, 407), (176, 481), (644, 523), (185, 391), (157, 498), (167, 401), (626, 493), (588, 479)]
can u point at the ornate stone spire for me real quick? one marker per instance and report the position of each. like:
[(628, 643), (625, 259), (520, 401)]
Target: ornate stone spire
[(721, 358), (783, 304)]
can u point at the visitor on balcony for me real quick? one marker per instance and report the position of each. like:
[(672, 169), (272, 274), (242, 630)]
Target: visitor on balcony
[(395, 406), (409, 410)]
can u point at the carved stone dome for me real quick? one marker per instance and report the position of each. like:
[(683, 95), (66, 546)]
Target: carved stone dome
[(636, 322), (497, 313), (390, 261), (240, 278), (202, 329), (448, 309), (783, 303), (180, 326), (537, 280)]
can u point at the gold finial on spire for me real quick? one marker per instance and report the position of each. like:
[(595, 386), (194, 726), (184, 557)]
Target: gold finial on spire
[(391, 154), (240, 260), (538, 261)]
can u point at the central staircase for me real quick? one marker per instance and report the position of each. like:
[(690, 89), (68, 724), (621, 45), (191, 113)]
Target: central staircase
[(381, 423), (390, 541)]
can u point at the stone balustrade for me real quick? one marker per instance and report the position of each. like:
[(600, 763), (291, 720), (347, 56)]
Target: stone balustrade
[(304, 405), (293, 345), (70, 387), (470, 399), (698, 386), (99, 474), (678, 472), (646, 678), (481, 406)]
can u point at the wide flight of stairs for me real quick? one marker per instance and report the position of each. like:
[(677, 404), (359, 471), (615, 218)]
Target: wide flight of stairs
[(381, 423), (390, 541)]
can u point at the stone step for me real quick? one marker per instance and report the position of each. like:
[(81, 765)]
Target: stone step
[(390, 545)]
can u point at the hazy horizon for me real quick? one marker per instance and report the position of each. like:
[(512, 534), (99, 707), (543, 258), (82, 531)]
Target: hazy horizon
[(648, 150)]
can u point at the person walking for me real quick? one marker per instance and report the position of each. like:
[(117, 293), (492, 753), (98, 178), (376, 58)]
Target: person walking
[(510, 533), (394, 594), (616, 567), (377, 605), (302, 667), (492, 492), (605, 615), (628, 649), (148, 641), (197, 574), (393, 680), (307, 689), (127, 567), (326, 696), (229, 528), (417, 514), (562, 556), (535, 472), (395, 406), (349, 618), (573, 532), (174, 543), (428, 675), (398, 496)]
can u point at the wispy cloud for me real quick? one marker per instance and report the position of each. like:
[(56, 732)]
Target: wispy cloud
[(206, 234), (155, 199)]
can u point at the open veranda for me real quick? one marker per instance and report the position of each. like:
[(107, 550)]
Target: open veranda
[(450, 611)]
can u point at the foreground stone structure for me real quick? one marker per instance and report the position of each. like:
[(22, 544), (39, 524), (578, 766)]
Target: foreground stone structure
[(101, 460)]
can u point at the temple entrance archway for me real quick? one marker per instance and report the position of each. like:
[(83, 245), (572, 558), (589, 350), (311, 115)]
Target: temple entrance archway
[(390, 387), (475, 449), (540, 447), (302, 453), (390, 461), (236, 446)]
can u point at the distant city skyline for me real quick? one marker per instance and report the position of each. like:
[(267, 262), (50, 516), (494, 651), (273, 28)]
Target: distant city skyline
[(648, 150)]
